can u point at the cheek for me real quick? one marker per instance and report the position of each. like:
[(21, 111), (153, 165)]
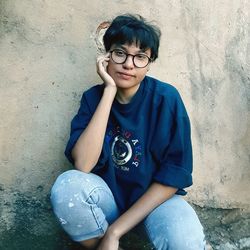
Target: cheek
[(143, 73), (110, 68)]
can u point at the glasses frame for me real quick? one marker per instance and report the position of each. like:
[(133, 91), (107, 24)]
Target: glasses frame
[(133, 58)]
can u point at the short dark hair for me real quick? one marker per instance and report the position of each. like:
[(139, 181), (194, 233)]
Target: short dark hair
[(133, 29)]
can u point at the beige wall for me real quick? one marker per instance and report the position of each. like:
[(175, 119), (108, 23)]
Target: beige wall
[(47, 53)]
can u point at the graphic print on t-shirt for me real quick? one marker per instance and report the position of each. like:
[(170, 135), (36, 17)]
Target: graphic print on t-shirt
[(121, 150), (125, 149)]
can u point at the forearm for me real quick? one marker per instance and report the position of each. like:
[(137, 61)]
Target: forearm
[(155, 195), (87, 149)]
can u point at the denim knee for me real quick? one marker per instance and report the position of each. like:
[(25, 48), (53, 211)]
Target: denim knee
[(174, 225), (190, 240), (76, 202)]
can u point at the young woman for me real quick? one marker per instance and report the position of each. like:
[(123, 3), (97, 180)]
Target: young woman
[(131, 147)]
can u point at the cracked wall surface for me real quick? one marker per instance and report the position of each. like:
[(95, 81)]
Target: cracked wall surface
[(47, 53)]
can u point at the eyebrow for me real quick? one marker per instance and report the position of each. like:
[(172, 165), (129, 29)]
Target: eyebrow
[(124, 48)]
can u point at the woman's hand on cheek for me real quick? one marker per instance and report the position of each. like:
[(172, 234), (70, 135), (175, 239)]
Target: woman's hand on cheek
[(101, 65)]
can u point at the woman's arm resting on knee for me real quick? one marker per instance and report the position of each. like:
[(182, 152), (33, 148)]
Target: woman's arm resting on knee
[(155, 195)]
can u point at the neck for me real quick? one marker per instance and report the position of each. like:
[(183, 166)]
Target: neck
[(124, 96)]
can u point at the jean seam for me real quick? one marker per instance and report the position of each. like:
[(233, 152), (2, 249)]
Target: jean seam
[(94, 205), (94, 190), (96, 218)]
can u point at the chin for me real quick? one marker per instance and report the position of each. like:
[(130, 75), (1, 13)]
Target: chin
[(125, 84)]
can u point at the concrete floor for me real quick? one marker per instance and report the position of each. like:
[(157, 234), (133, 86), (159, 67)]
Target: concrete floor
[(34, 227)]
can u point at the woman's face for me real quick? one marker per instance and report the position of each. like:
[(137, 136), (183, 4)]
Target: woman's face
[(127, 75)]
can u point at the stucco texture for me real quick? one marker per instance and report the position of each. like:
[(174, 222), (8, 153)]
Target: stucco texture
[(47, 54)]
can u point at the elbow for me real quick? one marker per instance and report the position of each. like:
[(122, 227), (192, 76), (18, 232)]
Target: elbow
[(82, 161), (83, 166)]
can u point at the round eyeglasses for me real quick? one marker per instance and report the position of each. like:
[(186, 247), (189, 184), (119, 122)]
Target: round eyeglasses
[(139, 60)]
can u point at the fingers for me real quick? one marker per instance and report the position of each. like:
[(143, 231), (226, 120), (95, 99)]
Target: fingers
[(102, 62), (102, 69), (103, 58)]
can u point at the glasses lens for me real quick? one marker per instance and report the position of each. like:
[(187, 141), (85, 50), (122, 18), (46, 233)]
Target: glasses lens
[(118, 56), (141, 60)]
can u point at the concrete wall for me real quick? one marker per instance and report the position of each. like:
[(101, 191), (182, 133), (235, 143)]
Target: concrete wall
[(47, 53)]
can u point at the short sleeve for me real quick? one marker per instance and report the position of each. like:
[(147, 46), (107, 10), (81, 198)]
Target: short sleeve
[(78, 124), (175, 149)]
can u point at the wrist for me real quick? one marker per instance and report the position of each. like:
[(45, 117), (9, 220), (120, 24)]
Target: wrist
[(114, 232), (110, 89), (110, 86)]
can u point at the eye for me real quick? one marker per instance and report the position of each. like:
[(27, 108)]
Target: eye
[(141, 57), (119, 53)]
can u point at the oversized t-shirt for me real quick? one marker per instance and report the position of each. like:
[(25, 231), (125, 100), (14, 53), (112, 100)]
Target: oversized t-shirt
[(147, 140)]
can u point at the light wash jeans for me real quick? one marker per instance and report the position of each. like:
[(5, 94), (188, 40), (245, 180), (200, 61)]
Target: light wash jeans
[(85, 206)]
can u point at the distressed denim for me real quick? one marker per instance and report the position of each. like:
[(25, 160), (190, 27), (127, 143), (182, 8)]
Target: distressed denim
[(85, 206)]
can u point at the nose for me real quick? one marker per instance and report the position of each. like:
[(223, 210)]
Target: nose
[(129, 64)]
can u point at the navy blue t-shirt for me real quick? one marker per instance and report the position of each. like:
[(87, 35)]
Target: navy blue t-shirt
[(147, 140)]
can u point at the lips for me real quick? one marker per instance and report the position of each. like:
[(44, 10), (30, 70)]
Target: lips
[(124, 75)]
